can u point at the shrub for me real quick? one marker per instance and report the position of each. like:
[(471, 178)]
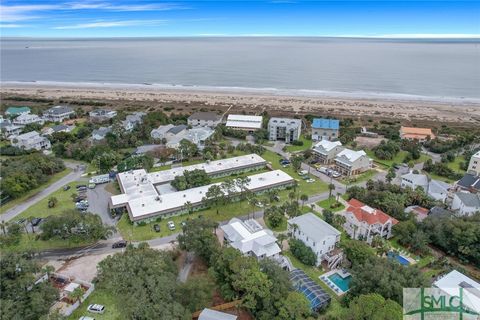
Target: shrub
[(302, 252)]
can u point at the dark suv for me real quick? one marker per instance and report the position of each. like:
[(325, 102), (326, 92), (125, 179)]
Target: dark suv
[(119, 244)]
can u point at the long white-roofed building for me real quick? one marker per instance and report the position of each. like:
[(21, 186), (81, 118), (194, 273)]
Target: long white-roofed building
[(251, 238), (147, 195), (244, 122), (143, 201)]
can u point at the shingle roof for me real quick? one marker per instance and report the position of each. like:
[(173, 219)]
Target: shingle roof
[(469, 199), (439, 212), (368, 214), (177, 129), (470, 181), (206, 116), (321, 123), (59, 110)]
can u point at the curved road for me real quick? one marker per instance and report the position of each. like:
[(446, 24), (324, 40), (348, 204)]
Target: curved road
[(76, 173)]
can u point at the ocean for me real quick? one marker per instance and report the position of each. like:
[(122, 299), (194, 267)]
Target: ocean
[(436, 69)]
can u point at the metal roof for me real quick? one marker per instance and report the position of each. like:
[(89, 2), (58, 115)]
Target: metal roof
[(321, 123)]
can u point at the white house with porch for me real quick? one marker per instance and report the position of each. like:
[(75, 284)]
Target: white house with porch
[(325, 150), (350, 162), (318, 235), (251, 238), (365, 222)]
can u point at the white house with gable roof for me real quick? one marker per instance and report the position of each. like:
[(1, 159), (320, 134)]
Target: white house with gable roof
[(326, 150), (318, 235), (349, 162), (30, 140), (251, 238)]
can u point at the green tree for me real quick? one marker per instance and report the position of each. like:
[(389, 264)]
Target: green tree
[(134, 278), (294, 307), (52, 202), (373, 307), (304, 198), (331, 187), (76, 294), (198, 236), (196, 293), (20, 298), (390, 175)]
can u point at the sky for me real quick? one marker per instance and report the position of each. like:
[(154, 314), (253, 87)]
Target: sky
[(151, 18)]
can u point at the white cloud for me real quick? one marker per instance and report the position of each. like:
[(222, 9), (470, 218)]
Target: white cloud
[(89, 5), (14, 13), (11, 25), (113, 24), (22, 12)]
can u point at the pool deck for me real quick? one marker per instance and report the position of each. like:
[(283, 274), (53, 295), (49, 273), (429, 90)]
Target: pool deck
[(332, 285)]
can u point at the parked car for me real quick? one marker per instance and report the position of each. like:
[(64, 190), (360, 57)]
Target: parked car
[(322, 170), (183, 223), (65, 188), (36, 221), (91, 185), (119, 244), (96, 308), (171, 225), (82, 189), (336, 174), (303, 172), (310, 180), (156, 227), (86, 318), (79, 186)]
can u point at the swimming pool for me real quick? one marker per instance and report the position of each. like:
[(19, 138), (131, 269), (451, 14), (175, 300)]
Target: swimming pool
[(342, 283), (402, 260)]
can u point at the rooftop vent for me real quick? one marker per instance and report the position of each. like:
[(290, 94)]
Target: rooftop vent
[(184, 195)]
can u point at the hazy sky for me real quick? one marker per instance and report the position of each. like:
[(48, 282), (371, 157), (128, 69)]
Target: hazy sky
[(130, 18)]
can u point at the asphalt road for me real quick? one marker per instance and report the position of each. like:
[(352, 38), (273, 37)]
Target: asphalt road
[(72, 176)]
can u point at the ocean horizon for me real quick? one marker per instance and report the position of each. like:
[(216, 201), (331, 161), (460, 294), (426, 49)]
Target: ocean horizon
[(445, 70)]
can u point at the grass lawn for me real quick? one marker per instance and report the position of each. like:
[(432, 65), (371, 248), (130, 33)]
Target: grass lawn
[(437, 177), (41, 209), (307, 144), (326, 204), (98, 296), (28, 242), (369, 174), (398, 159), (33, 192), (455, 164)]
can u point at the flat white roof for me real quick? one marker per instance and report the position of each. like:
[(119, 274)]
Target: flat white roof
[(139, 183), (243, 121), (142, 198)]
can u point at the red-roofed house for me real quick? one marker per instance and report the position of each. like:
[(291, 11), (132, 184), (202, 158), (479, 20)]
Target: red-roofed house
[(364, 222)]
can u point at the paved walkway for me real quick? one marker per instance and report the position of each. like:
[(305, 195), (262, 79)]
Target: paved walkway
[(76, 173)]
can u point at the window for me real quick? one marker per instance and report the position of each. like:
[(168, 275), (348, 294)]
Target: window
[(323, 241)]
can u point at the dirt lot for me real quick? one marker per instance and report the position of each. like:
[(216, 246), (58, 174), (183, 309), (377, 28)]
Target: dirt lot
[(367, 142)]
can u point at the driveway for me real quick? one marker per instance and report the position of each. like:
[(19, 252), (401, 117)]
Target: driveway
[(76, 173), (98, 200)]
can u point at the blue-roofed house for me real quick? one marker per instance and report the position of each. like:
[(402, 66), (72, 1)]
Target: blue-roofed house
[(325, 129), (16, 111)]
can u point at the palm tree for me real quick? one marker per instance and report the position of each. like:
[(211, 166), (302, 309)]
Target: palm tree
[(4, 225), (76, 294), (331, 187), (30, 219), (48, 269), (304, 198), (188, 207)]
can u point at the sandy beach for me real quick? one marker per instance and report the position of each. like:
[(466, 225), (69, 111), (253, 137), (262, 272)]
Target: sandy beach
[(409, 110)]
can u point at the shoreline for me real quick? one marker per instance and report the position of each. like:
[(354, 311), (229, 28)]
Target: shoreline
[(240, 100), (300, 93)]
